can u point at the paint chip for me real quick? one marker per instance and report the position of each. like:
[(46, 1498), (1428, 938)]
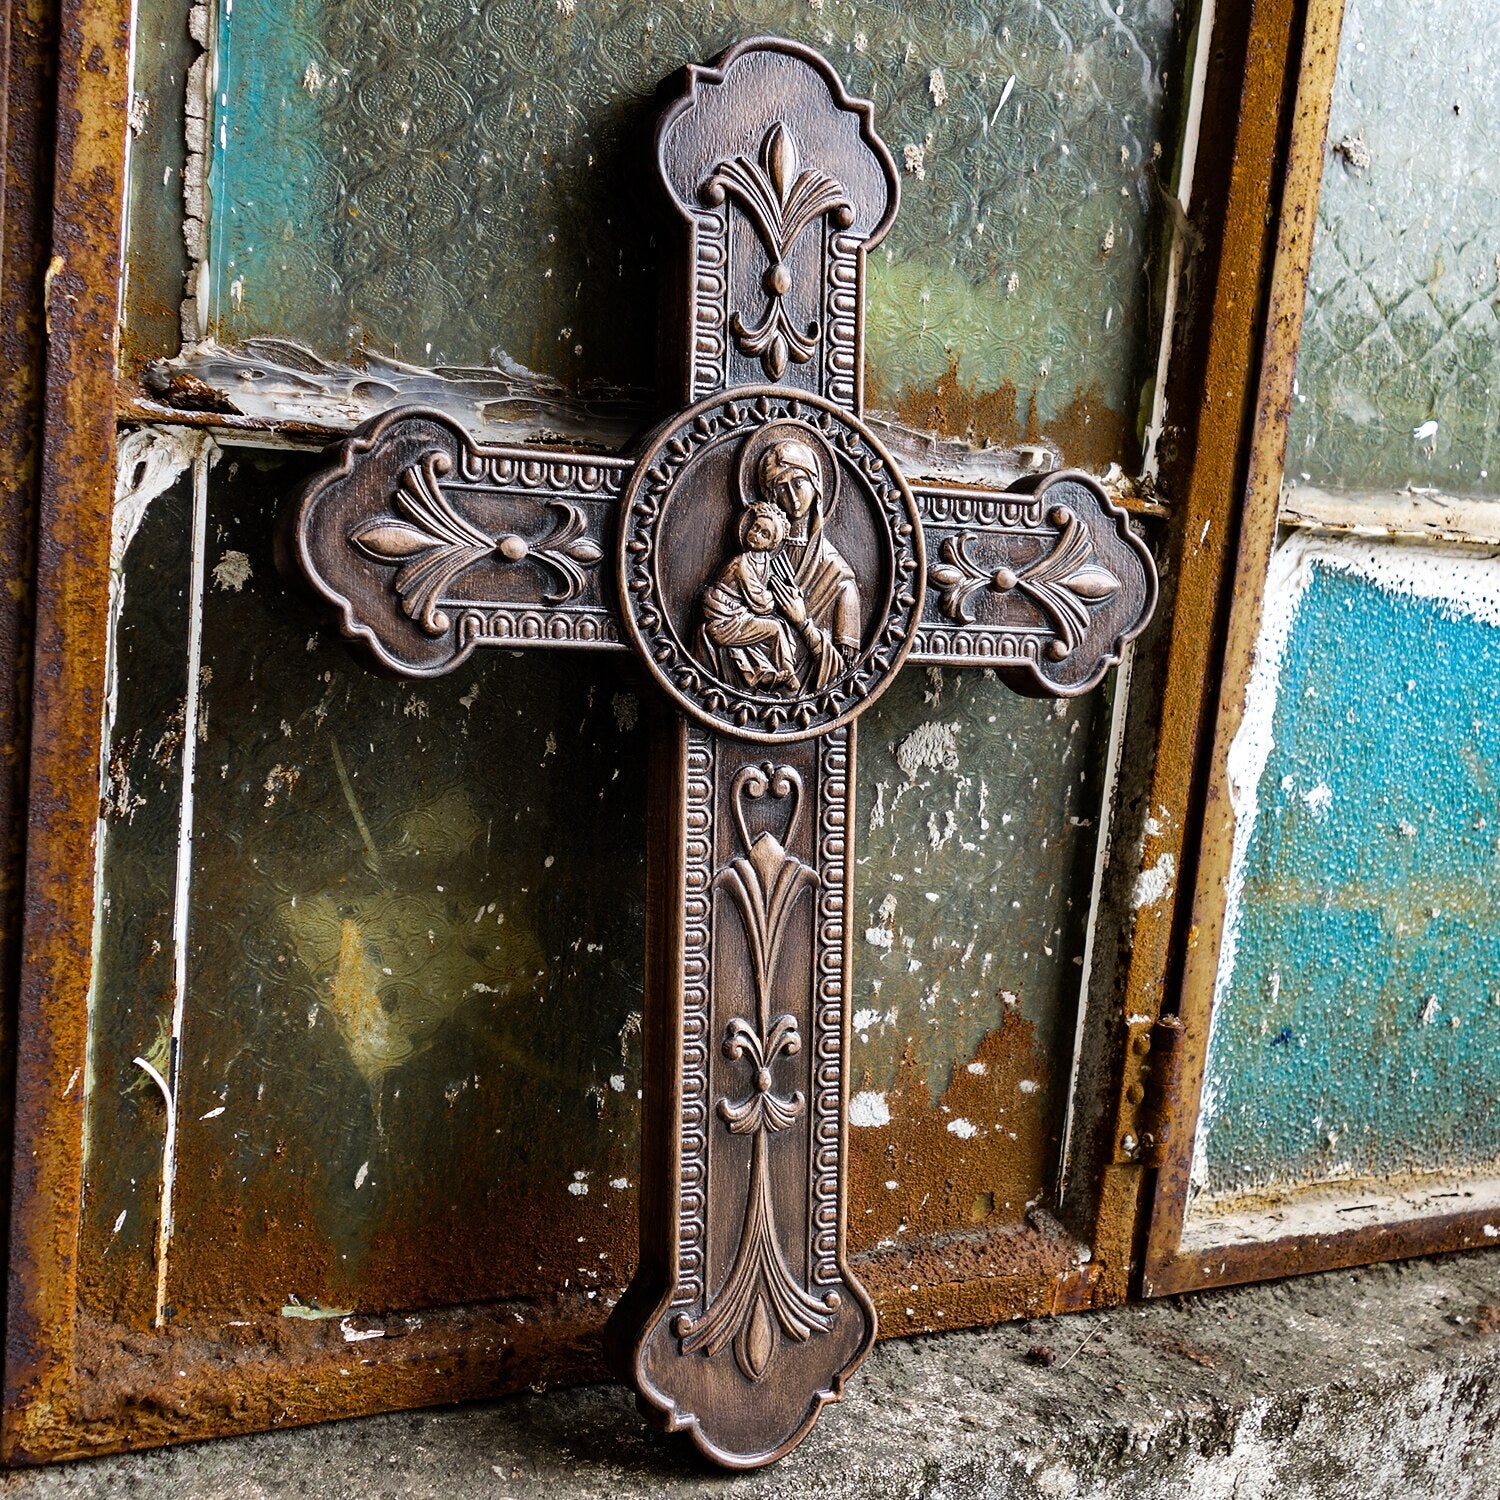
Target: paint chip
[(627, 711), (932, 746), (869, 1108), (1319, 799), (964, 1129), (232, 571), (360, 1176), (1154, 884)]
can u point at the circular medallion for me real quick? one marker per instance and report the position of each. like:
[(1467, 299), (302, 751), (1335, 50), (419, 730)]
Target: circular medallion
[(771, 568)]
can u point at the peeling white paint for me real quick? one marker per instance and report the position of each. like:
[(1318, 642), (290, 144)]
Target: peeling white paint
[(1318, 799), (1154, 884), (964, 1129), (883, 934), (148, 462), (361, 1176), (868, 1108), (932, 746), (232, 571)]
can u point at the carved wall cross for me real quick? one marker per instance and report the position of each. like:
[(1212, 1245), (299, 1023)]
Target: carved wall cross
[(773, 568)]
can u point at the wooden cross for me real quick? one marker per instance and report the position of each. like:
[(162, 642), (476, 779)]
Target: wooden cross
[(772, 568)]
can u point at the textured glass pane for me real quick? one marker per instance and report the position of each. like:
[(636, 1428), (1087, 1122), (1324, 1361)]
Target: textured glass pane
[(411, 1045), (1399, 376), (977, 817), (455, 184), (414, 964), (1354, 1027)]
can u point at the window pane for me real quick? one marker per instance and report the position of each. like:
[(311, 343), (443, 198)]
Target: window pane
[(1355, 1019), (454, 185), (1399, 377), (410, 1034)]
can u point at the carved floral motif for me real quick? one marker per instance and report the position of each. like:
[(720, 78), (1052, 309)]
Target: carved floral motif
[(434, 543), (781, 199), (1066, 582), (761, 1300)]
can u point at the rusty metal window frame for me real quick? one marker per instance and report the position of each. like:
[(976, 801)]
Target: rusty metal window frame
[(63, 286), (1333, 1231)]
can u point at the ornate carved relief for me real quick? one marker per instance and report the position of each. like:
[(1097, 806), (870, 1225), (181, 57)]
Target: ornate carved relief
[(806, 611), (761, 1298), (771, 575), (435, 544), (782, 199), (431, 544), (1046, 586), (778, 229)]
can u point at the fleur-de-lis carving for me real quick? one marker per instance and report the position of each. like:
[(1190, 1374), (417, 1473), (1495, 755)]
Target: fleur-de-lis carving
[(781, 199), (1066, 581), (761, 1300), (434, 543)]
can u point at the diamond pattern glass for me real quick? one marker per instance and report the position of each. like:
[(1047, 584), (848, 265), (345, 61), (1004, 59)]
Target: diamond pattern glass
[(1398, 381)]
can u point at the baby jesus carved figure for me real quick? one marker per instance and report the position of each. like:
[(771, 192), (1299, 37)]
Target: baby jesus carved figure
[(744, 636)]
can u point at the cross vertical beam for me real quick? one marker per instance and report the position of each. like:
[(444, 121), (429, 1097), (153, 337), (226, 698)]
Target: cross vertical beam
[(767, 561)]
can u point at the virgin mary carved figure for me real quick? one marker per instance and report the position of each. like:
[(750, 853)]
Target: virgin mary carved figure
[(784, 615)]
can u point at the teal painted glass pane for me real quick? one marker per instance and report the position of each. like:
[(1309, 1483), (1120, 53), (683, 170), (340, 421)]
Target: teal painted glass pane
[(1398, 380), (456, 184), (1355, 1027)]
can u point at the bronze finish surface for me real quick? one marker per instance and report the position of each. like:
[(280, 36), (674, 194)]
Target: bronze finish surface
[(771, 570)]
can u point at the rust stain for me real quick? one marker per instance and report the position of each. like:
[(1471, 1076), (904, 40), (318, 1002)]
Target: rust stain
[(981, 1154), (91, 46), (1239, 406), (1087, 431)]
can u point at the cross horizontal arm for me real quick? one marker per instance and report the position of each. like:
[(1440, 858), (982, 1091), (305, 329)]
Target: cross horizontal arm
[(431, 544), (1045, 582)]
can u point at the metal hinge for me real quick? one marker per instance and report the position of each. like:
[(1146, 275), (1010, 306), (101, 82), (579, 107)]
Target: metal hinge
[(1150, 1099)]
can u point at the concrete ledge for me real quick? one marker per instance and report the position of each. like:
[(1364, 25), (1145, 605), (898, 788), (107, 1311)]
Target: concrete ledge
[(1378, 1384)]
